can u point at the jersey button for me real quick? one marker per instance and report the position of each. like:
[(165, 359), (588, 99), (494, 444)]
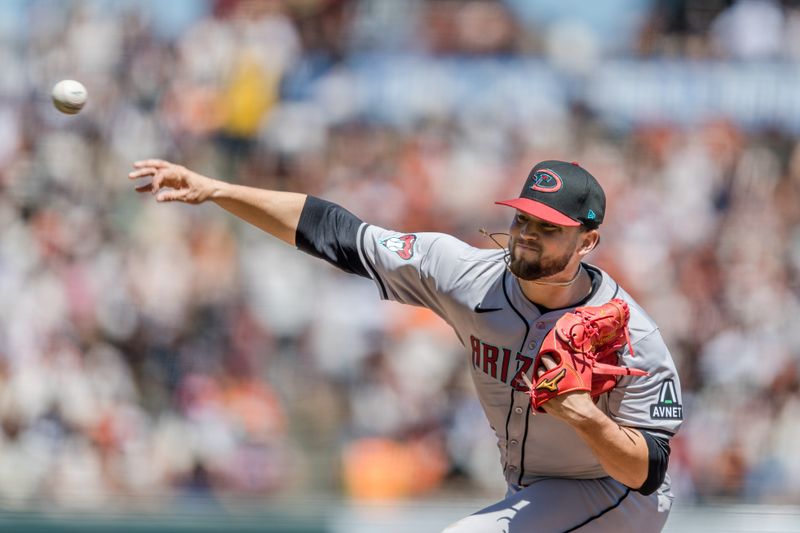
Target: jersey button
[(518, 410), (513, 442), (512, 468), (532, 345)]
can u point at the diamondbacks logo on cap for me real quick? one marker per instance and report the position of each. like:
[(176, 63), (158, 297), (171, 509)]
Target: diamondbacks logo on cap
[(546, 181), (402, 245), (667, 407)]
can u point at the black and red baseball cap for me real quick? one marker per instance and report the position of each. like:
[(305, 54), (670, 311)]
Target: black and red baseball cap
[(561, 193)]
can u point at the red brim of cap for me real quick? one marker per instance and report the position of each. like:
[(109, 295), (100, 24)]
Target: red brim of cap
[(539, 210)]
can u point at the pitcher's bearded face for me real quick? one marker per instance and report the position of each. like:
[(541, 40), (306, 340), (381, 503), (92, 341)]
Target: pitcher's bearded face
[(528, 264), (538, 249)]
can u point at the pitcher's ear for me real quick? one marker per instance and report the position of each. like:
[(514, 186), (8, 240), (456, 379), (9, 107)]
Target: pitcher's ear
[(589, 241)]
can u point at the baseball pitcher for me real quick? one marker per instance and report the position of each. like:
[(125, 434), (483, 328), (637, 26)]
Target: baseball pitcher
[(573, 375)]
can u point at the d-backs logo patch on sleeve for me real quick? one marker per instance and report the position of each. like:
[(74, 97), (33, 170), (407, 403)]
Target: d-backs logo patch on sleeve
[(667, 407), (402, 245)]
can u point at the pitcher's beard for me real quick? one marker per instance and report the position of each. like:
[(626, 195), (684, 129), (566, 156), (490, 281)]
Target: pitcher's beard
[(536, 270)]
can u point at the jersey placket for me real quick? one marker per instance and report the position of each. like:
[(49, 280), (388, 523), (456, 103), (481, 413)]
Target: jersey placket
[(521, 406)]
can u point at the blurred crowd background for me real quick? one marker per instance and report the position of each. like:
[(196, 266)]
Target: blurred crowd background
[(152, 354)]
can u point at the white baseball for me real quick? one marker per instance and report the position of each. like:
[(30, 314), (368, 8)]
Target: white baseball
[(69, 96)]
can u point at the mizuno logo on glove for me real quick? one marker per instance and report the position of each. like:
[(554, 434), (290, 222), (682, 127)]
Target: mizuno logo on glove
[(552, 383)]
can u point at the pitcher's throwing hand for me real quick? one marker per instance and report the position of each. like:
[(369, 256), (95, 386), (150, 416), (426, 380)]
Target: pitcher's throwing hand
[(172, 183)]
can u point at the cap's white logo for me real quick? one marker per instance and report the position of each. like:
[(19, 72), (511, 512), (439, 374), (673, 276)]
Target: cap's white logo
[(667, 407)]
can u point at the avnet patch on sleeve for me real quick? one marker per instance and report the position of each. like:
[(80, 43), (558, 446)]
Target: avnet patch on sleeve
[(667, 407)]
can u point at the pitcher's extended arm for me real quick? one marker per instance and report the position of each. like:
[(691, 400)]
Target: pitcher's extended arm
[(275, 212)]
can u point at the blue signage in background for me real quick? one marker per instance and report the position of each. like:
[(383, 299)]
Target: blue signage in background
[(403, 89), (691, 93)]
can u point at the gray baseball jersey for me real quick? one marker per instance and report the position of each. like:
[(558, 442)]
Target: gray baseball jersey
[(502, 331)]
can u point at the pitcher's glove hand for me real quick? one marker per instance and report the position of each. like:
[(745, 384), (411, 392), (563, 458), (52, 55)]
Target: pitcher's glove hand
[(584, 345)]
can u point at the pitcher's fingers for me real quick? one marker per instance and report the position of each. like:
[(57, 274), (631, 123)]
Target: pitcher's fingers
[(157, 163), (146, 187), (141, 173), (170, 196), (547, 363), (158, 179)]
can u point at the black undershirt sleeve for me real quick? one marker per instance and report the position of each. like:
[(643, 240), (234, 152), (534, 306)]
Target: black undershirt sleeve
[(329, 231), (658, 455)]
